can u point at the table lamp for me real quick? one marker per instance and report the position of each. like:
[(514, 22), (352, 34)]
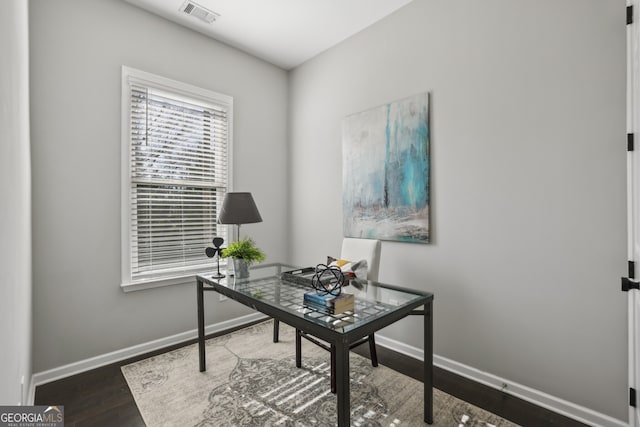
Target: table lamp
[(238, 208)]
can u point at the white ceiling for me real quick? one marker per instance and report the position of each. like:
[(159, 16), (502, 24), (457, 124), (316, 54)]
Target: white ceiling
[(283, 32)]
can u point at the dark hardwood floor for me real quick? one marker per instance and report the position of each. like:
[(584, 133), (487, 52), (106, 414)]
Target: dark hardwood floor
[(101, 397)]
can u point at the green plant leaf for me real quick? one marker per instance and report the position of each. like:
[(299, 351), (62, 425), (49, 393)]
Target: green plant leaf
[(245, 249)]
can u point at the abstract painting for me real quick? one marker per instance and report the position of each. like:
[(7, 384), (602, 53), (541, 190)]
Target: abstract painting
[(385, 174)]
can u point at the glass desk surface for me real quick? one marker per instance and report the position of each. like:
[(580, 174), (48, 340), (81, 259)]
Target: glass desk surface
[(373, 300)]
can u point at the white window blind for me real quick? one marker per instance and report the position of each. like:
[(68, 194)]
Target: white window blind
[(178, 173)]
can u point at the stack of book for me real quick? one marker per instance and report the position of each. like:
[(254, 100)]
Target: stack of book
[(331, 303)]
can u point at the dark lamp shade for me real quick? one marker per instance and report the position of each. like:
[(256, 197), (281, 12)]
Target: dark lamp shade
[(239, 208)]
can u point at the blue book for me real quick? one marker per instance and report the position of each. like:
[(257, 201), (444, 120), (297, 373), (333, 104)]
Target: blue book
[(325, 300)]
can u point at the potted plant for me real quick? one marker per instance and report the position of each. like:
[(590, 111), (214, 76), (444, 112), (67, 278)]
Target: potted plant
[(244, 253)]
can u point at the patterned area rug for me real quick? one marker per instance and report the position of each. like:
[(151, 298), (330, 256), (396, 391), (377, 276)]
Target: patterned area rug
[(250, 381)]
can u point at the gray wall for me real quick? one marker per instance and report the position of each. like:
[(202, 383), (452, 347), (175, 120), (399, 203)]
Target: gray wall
[(77, 50), (15, 205), (528, 181)]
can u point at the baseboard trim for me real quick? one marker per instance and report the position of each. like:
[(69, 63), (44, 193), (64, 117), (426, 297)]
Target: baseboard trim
[(537, 397), (55, 374), (31, 393), (555, 404)]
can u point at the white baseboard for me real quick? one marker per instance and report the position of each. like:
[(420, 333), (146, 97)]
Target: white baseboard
[(31, 393), (125, 353), (539, 398), (555, 404)]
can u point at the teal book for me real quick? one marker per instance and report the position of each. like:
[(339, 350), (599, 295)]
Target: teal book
[(324, 300)]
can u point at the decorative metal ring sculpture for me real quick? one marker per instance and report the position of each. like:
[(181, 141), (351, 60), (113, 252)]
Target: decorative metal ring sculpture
[(328, 279)]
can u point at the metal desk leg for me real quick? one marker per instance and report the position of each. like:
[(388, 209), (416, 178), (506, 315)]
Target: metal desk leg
[(342, 384), (298, 348), (200, 293), (428, 362), (276, 322)]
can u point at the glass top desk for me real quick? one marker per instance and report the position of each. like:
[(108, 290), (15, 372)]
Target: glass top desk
[(376, 305)]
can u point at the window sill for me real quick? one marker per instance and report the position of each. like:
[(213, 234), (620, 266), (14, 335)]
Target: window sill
[(158, 282)]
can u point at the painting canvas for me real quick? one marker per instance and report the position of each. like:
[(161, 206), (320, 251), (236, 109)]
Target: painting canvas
[(386, 171)]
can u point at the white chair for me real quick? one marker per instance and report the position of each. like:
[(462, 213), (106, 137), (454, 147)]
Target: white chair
[(357, 249), (352, 250)]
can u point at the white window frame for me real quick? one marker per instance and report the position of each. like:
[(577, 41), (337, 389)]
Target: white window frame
[(178, 89)]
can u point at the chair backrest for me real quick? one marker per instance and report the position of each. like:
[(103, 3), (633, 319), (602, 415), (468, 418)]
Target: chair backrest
[(357, 249)]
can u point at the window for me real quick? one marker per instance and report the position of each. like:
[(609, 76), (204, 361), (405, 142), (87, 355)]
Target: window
[(175, 164)]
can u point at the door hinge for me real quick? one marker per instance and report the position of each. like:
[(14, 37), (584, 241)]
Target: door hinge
[(632, 397), (632, 269), (630, 142), (630, 14), (628, 284)]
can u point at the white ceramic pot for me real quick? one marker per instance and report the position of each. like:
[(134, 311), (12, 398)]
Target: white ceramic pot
[(240, 268)]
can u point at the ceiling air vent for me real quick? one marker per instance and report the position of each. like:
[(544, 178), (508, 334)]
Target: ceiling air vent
[(194, 9)]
